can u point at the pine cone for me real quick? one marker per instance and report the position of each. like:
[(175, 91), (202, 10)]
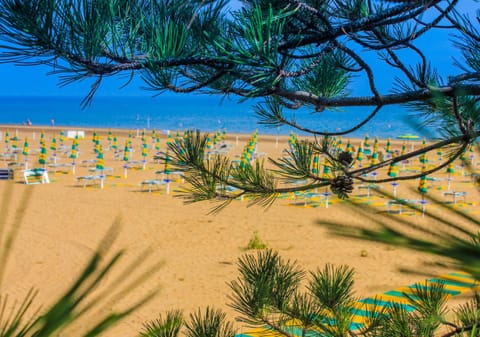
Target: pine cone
[(345, 158), (342, 186)]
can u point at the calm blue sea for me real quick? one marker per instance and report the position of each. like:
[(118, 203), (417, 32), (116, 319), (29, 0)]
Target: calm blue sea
[(179, 112)]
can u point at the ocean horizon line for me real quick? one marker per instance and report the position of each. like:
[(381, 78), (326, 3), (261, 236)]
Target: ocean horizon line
[(203, 112)]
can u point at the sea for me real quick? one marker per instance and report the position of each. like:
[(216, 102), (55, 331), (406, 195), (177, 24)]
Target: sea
[(204, 112)]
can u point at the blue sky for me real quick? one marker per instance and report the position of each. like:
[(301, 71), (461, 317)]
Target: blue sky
[(27, 81)]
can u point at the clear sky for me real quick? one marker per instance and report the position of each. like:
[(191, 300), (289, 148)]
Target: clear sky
[(25, 81)]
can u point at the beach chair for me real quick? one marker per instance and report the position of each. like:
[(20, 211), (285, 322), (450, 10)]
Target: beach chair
[(36, 176), (151, 184), (91, 180), (6, 174), (455, 195)]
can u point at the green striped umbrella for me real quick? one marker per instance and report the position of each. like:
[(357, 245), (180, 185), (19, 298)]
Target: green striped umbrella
[(15, 145), (168, 160), (374, 158), (7, 140), (100, 165), (423, 189), (349, 148), (326, 170), (42, 158), (360, 155), (25, 152), (42, 138), (61, 138), (366, 141), (74, 153), (144, 154), (315, 168), (422, 186), (115, 142), (450, 171), (388, 148), (126, 152)]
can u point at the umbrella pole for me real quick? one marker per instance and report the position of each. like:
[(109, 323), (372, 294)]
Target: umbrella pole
[(125, 171), (423, 205), (326, 197)]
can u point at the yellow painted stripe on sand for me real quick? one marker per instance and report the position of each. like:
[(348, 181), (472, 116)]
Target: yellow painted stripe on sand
[(393, 299)]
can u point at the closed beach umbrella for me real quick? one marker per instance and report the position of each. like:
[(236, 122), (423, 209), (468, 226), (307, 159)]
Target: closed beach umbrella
[(423, 158), (53, 147), (14, 143), (404, 149), (393, 170), (166, 170), (53, 144), (42, 138), (126, 152), (157, 143), (349, 148), (374, 158), (130, 138), (422, 186), (61, 138), (42, 158), (450, 171), (423, 189), (74, 154), (388, 148), (7, 140), (326, 170), (315, 168), (168, 160), (115, 143), (100, 165), (144, 154), (366, 141), (340, 145), (25, 152), (360, 155)]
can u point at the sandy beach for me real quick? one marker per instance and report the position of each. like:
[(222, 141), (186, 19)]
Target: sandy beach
[(65, 221)]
